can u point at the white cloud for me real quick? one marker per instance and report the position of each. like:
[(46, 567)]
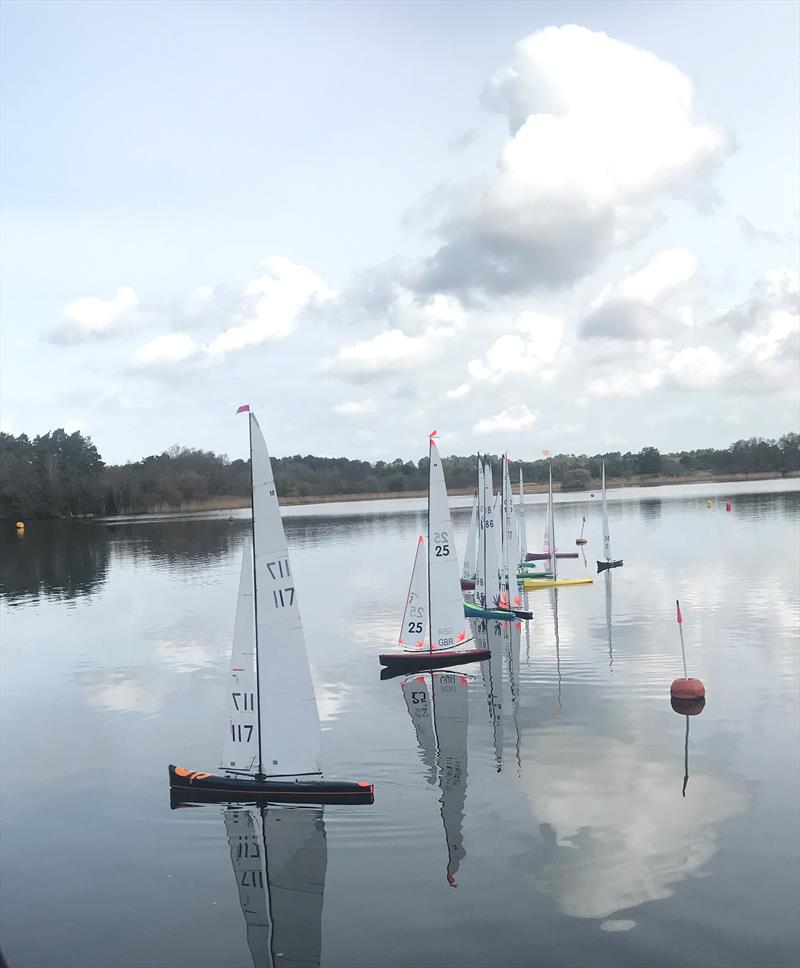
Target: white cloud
[(459, 392), (600, 130), (511, 420), (387, 352), (355, 408), (166, 350), (639, 306), (696, 367), (532, 356), (273, 302), (629, 383), (91, 317)]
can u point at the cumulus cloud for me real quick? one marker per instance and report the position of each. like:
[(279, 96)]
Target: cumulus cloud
[(266, 310), (643, 304), (91, 317), (355, 408), (388, 352), (696, 367), (511, 420), (600, 130), (532, 354), (167, 350)]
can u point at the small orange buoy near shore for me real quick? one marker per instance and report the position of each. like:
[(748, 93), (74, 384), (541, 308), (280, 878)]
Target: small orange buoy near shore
[(20, 525), (727, 505), (686, 689)]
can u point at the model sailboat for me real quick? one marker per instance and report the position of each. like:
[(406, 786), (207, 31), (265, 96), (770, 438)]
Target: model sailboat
[(609, 562), (550, 550), (272, 732), (434, 627)]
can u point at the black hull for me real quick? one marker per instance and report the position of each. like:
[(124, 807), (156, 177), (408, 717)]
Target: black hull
[(190, 787), (403, 663), (605, 565), (522, 614)]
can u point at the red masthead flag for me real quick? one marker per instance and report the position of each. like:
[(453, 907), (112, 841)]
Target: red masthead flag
[(545, 453), (245, 408)]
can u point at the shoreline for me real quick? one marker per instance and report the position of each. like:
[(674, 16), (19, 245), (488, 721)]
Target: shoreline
[(233, 502)]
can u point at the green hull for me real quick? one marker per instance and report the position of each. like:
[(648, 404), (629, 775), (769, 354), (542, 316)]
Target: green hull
[(471, 610)]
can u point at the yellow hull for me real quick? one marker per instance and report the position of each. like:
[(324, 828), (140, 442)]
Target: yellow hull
[(531, 584)]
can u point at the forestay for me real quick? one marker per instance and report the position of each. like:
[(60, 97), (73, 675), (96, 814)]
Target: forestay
[(415, 616), (445, 599), (240, 740), (290, 731)]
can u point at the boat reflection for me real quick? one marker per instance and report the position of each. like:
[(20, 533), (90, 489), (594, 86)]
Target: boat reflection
[(438, 705), (609, 590), (492, 635), (513, 634), (279, 857)]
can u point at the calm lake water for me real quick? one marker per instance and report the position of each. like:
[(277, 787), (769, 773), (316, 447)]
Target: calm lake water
[(548, 828)]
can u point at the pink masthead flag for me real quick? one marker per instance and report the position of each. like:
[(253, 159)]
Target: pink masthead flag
[(245, 408)]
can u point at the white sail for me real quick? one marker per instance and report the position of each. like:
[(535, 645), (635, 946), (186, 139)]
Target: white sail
[(448, 627), (297, 860), (450, 705), (490, 557), (523, 535), (510, 547), (290, 731), (240, 740), (420, 708), (480, 561), (471, 549), (606, 535), (415, 617), (245, 838)]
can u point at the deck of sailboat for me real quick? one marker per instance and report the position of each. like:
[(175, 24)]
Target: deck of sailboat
[(191, 787)]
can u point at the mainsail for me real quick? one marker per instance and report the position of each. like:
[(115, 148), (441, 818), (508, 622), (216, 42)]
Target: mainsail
[(289, 721), (510, 542), (523, 535), (445, 599)]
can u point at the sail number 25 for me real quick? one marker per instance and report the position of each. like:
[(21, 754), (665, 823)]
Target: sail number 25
[(441, 544)]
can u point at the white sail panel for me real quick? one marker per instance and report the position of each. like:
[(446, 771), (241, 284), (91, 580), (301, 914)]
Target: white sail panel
[(448, 627), (240, 740), (523, 534), (491, 578), (471, 549), (552, 537), (245, 838), (511, 563), (480, 561), (450, 706), (415, 616), (606, 535), (297, 861), (420, 708), (290, 731)]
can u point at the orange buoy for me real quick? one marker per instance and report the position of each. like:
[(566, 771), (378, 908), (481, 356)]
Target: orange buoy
[(727, 505), (20, 525), (685, 688)]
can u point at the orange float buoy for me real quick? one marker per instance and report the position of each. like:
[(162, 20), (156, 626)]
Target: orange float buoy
[(685, 689), (727, 505), (20, 525)]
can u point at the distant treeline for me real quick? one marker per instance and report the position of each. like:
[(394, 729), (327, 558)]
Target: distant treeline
[(62, 475)]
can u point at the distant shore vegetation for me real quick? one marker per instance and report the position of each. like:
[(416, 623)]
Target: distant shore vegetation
[(58, 475)]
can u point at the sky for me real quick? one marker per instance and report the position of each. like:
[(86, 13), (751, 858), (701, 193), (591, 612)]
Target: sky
[(572, 226)]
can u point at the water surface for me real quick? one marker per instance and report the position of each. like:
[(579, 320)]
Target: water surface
[(535, 816)]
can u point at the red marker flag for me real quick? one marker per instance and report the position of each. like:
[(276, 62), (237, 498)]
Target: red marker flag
[(678, 607), (545, 453), (245, 408), (433, 433)]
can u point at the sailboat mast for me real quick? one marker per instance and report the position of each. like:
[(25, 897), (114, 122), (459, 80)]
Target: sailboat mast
[(260, 775), (552, 521)]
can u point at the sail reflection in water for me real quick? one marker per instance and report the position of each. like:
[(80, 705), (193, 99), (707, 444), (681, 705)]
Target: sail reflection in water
[(437, 704), (279, 857)]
